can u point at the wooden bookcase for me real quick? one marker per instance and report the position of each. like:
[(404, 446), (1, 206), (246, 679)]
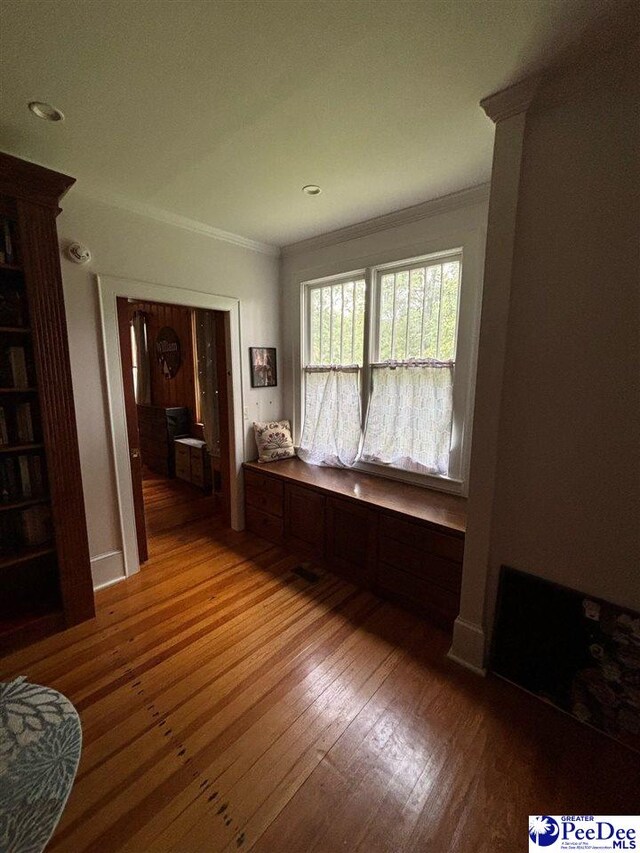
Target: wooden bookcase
[(45, 575)]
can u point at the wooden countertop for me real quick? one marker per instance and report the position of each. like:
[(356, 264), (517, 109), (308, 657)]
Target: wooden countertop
[(448, 512)]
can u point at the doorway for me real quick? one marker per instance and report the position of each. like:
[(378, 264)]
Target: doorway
[(174, 375), (119, 364)]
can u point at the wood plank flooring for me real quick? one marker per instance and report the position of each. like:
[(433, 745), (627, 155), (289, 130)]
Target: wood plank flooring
[(229, 705)]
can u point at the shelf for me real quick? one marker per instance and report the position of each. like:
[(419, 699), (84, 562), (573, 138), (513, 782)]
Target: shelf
[(24, 555), (18, 390), (29, 626), (15, 330), (12, 267), (20, 448), (22, 504)]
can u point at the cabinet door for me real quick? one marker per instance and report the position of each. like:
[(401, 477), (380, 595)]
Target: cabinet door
[(350, 540), (304, 519)]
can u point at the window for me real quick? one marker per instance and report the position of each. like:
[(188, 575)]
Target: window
[(379, 369), (336, 315)]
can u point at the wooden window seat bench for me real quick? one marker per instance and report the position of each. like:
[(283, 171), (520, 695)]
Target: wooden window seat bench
[(404, 542)]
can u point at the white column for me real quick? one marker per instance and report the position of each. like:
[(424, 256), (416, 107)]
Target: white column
[(508, 110)]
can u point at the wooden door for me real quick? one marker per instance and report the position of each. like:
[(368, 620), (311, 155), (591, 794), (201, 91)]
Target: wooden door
[(124, 330)]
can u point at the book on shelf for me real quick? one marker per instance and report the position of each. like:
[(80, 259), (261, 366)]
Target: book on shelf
[(25, 476), (4, 432), (7, 253), (35, 522), (30, 527), (36, 475), (24, 423), (18, 364), (10, 489), (10, 534), (12, 311)]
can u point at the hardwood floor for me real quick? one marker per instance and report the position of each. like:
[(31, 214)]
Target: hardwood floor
[(227, 704), (172, 502)]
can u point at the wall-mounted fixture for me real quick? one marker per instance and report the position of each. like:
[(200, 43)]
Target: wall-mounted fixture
[(78, 253), (311, 189)]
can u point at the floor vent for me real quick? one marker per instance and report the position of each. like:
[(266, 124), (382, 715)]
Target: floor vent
[(306, 574)]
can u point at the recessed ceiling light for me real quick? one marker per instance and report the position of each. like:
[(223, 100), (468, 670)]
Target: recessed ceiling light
[(311, 189), (46, 111)]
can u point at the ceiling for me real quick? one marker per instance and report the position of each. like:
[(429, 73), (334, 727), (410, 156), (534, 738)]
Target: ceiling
[(221, 110)]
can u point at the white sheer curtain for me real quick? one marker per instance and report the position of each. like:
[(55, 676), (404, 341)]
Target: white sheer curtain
[(142, 368), (208, 379), (409, 420), (331, 434)]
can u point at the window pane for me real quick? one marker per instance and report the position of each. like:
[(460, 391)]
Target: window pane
[(348, 327), (400, 316), (325, 325), (358, 346), (431, 312), (416, 300), (449, 310), (336, 323), (314, 329), (387, 285), (418, 312)]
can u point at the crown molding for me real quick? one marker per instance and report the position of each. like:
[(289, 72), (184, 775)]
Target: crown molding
[(512, 100), (167, 217), (464, 198), (96, 193)]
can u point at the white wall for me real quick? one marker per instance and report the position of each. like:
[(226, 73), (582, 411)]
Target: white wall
[(447, 223), (567, 503), (133, 246), (555, 469)]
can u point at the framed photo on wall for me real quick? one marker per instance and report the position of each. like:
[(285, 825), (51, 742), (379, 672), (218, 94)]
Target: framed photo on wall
[(264, 369)]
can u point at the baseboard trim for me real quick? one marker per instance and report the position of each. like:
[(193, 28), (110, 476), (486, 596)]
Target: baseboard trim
[(468, 646), (107, 569), (465, 663)]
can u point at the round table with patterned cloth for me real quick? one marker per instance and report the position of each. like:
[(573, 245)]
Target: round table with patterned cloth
[(40, 744)]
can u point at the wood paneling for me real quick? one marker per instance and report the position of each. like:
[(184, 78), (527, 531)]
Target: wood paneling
[(228, 705), (181, 390)]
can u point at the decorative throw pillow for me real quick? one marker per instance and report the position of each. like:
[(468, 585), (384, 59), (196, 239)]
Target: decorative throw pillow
[(274, 441)]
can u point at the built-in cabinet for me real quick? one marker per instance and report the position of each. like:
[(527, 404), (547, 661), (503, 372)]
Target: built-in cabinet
[(416, 563), (45, 574), (193, 463)]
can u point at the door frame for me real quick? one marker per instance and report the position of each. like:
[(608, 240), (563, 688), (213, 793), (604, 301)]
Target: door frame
[(109, 289)]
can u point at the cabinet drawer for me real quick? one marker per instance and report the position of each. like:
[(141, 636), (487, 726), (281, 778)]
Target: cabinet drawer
[(350, 540), (183, 468), (183, 453), (446, 574), (265, 501), (197, 465), (423, 538), (304, 514), (268, 485), (197, 477), (263, 524), (439, 605)]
